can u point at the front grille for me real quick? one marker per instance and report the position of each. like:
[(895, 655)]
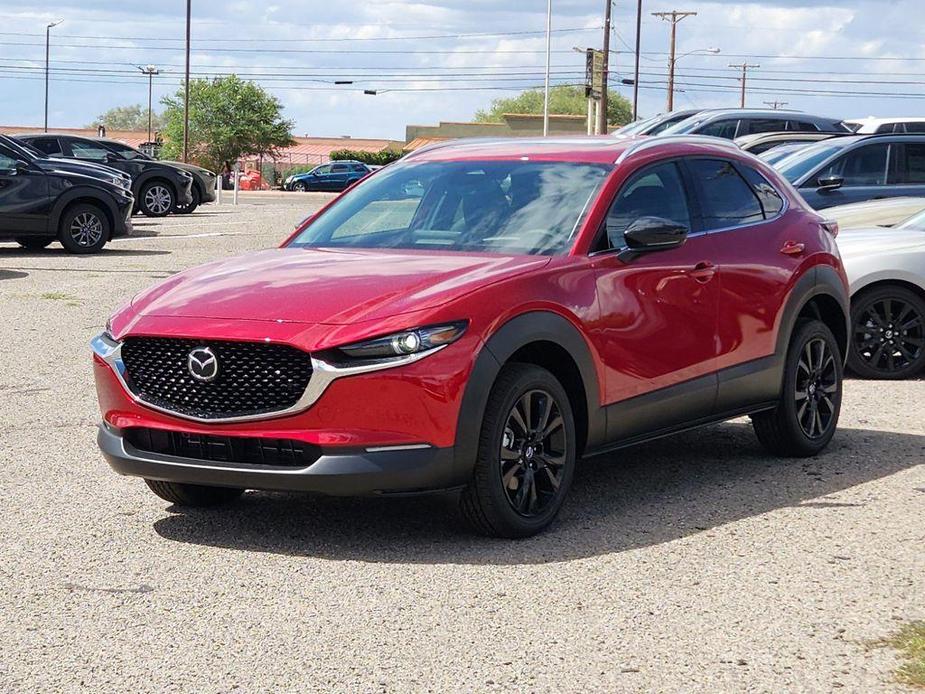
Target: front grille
[(253, 377), (224, 449)]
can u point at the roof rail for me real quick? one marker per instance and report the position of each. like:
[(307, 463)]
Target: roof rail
[(658, 140)]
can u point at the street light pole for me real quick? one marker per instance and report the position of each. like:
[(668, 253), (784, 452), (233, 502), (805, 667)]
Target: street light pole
[(47, 54), (150, 71), (548, 51), (189, 12)]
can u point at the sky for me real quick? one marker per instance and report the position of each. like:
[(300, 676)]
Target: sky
[(444, 59)]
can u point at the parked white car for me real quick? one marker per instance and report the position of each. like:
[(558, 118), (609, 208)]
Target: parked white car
[(874, 126), (886, 212), (886, 274)]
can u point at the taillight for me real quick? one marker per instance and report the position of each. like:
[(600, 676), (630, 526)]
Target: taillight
[(831, 226)]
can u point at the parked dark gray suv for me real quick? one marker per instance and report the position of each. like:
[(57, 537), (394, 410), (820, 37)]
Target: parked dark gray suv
[(736, 122), (857, 168)]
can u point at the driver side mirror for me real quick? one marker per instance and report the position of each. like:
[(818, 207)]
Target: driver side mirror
[(827, 183), (654, 234), (111, 157), (21, 166)]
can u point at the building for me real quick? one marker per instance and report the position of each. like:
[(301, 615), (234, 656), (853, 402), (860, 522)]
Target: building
[(513, 125)]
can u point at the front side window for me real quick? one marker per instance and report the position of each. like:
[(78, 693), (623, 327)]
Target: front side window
[(765, 125), (507, 207), (864, 166), (321, 170), (803, 126), (915, 127), (88, 150), (339, 168), (654, 192), (726, 200), (804, 160), (7, 162), (127, 152)]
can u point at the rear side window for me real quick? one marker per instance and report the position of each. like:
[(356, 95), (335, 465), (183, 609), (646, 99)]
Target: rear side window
[(771, 201), (915, 127), (890, 128), (721, 128), (803, 126), (764, 125), (913, 166), (654, 192), (864, 166), (357, 167), (339, 168), (48, 145), (726, 199)]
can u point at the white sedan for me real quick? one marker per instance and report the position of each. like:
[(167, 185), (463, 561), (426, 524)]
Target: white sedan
[(886, 274)]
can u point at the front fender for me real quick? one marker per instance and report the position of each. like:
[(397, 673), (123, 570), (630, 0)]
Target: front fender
[(83, 192)]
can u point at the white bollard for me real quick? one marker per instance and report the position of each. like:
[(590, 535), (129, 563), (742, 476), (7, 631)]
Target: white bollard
[(218, 189), (237, 178)]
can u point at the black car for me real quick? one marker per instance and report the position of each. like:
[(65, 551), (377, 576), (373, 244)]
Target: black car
[(43, 200), (159, 188), (857, 168), (731, 123)]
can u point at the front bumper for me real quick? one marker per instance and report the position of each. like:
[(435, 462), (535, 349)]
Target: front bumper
[(123, 221), (359, 472)]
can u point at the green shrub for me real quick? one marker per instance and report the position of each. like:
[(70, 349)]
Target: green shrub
[(386, 156)]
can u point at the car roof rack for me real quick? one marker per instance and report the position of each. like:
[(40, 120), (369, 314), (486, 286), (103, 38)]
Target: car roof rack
[(659, 140)]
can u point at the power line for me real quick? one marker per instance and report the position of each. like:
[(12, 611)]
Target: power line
[(744, 67)]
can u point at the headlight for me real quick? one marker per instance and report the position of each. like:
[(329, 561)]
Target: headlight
[(407, 342)]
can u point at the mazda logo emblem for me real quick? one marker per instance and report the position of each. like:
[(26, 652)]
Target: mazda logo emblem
[(202, 364)]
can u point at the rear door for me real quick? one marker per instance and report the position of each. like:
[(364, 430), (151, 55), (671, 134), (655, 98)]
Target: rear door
[(24, 196), (908, 176), (339, 175)]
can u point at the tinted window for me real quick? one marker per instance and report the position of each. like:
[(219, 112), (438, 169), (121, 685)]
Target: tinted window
[(339, 168), (47, 145), (507, 207), (721, 128), (326, 169), (7, 162), (88, 150), (803, 126), (913, 170), (655, 192), (765, 125), (358, 167), (725, 198), (804, 160), (864, 166), (889, 128), (127, 152), (915, 127), (771, 201)]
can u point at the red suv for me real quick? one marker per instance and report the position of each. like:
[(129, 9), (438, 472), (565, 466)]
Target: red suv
[(478, 318)]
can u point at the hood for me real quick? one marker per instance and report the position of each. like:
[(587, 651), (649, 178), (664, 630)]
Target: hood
[(84, 168), (192, 168), (333, 287), (877, 241)]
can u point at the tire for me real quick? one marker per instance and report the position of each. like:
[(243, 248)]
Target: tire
[(191, 207), (34, 243), (887, 333), (156, 199), (299, 187), (83, 228), (193, 495), (515, 490), (792, 429)]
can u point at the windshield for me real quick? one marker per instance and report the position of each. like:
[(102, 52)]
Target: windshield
[(805, 160), (915, 223), (775, 154), (509, 207), (635, 127)]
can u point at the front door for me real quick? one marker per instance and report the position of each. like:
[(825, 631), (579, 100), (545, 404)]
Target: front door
[(24, 199), (864, 171), (658, 312)]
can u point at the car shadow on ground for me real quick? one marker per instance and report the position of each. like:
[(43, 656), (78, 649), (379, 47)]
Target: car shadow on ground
[(107, 252), (647, 495)]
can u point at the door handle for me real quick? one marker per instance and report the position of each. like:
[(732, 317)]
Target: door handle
[(703, 272), (792, 248)]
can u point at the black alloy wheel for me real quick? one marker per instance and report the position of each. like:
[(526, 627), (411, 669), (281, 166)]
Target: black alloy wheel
[(533, 453), (888, 334), (526, 455), (84, 228), (817, 383)]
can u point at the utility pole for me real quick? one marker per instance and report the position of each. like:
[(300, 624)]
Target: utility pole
[(744, 67), (47, 54), (636, 74), (150, 71), (776, 105), (189, 12), (548, 48), (674, 17), (602, 105)]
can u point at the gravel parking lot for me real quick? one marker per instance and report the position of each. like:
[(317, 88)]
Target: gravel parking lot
[(695, 563)]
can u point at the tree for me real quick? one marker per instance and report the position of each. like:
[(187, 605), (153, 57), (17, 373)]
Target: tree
[(134, 117), (564, 99), (228, 118), (386, 156)]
